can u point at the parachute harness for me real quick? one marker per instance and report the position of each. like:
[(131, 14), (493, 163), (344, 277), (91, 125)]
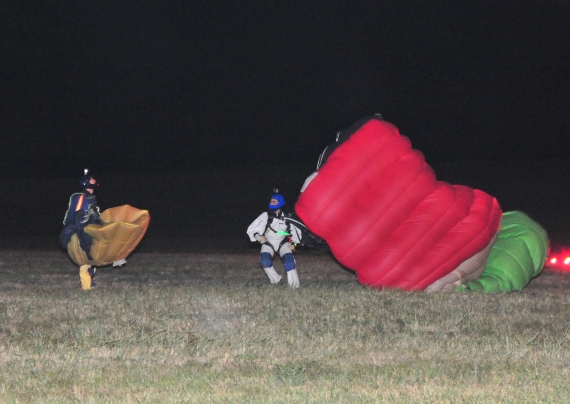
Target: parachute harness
[(281, 233)]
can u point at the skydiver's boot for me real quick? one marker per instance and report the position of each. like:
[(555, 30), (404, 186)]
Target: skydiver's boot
[(274, 277), (293, 279), (86, 274)]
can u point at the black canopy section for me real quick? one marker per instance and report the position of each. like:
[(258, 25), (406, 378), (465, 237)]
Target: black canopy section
[(343, 135)]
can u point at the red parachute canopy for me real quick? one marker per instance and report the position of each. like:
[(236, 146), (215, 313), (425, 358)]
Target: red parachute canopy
[(378, 205)]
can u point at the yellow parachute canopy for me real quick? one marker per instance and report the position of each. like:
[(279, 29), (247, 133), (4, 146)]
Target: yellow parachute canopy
[(124, 228)]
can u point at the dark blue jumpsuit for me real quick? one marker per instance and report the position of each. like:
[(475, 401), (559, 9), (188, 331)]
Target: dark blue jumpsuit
[(82, 211)]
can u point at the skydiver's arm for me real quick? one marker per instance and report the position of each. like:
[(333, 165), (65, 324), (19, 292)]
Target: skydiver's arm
[(78, 219), (98, 220), (295, 234), (255, 229)]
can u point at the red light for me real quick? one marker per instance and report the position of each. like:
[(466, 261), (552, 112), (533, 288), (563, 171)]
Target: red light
[(559, 260)]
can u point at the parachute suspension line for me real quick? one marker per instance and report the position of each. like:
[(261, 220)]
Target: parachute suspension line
[(320, 162)]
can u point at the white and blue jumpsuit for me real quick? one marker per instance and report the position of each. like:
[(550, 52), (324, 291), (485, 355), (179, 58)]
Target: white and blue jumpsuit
[(276, 236)]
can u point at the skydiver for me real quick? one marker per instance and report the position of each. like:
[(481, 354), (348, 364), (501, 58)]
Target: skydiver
[(83, 210), (276, 235)]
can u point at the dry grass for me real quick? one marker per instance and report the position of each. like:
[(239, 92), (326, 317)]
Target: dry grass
[(209, 328)]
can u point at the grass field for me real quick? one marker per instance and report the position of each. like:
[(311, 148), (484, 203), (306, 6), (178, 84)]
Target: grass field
[(205, 327)]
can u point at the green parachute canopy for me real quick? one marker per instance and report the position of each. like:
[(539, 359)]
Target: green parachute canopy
[(518, 255)]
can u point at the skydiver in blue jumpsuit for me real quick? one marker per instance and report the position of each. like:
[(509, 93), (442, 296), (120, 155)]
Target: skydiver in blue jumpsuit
[(82, 211)]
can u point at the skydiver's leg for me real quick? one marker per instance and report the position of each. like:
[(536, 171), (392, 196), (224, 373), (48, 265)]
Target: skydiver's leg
[(86, 274), (293, 279), (85, 242), (290, 266), (266, 260), (66, 233), (91, 272)]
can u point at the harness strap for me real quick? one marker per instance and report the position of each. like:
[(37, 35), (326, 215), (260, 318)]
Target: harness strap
[(270, 220), (268, 227), (281, 244)]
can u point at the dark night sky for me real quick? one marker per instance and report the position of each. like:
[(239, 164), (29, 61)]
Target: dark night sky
[(130, 86)]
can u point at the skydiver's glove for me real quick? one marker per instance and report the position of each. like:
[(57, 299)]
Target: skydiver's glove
[(261, 239)]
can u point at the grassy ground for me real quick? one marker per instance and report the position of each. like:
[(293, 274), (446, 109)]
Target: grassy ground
[(206, 327)]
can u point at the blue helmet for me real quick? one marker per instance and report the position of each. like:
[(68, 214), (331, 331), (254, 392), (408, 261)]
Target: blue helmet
[(84, 181), (278, 198)]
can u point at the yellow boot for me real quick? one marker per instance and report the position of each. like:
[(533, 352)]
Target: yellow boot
[(86, 274)]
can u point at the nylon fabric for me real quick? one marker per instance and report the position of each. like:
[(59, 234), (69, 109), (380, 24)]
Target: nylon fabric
[(380, 208), (517, 256), (123, 229)]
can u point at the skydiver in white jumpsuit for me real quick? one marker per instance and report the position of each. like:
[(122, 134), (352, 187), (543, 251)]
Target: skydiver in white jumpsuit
[(276, 235)]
